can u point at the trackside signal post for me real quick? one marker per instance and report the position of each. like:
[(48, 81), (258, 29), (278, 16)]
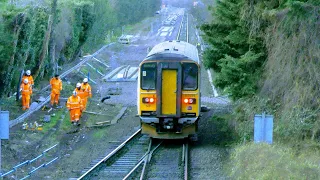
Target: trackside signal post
[(263, 128), (4, 129)]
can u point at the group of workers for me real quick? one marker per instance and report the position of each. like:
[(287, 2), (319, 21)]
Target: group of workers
[(76, 103)]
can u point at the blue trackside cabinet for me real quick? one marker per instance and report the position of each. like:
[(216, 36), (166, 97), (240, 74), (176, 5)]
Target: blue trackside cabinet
[(263, 128)]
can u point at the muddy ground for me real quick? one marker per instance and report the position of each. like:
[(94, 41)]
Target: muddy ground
[(79, 146)]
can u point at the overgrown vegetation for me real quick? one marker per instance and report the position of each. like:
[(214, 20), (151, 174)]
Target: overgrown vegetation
[(265, 55), (43, 36)]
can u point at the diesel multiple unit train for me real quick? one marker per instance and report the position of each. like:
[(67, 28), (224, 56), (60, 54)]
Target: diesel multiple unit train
[(169, 91)]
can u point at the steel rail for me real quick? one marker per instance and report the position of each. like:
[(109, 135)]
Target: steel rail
[(179, 32), (187, 29), (145, 162), (144, 158), (29, 112), (110, 155), (186, 20), (186, 161)]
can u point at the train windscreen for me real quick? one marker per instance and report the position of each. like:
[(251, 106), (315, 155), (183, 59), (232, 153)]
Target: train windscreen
[(148, 76), (190, 76)]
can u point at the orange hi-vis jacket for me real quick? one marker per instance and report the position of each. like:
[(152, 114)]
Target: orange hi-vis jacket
[(56, 85), (74, 102), (26, 89), (30, 79), (80, 93), (87, 89)]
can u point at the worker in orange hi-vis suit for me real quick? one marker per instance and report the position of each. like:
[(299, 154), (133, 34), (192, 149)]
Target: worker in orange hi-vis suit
[(28, 76), (56, 87), (75, 107), (87, 91), (26, 91), (81, 94)]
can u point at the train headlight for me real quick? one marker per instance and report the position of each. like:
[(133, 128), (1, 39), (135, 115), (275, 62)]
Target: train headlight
[(148, 100), (189, 100)]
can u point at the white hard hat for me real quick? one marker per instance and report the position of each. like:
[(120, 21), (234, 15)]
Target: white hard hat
[(25, 81), (74, 93), (28, 72), (78, 85), (85, 80)]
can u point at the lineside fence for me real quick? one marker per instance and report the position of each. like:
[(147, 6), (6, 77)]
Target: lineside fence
[(29, 162)]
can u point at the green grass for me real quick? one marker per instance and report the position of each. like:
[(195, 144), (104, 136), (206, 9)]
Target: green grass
[(66, 123), (53, 120), (263, 161), (224, 130), (99, 133)]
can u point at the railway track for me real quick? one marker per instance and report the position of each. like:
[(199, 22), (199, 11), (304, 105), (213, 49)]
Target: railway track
[(169, 162), (140, 157), (183, 34)]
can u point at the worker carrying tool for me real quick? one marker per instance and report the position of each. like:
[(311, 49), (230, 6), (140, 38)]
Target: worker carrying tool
[(81, 94), (87, 91), (26, 91), (56, 87), (28, 76), (75, 107)]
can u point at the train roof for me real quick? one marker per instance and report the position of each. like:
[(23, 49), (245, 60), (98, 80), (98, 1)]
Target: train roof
[(173, 50)]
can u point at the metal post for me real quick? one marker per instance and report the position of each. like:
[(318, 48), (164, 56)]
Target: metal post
[(0, 158)]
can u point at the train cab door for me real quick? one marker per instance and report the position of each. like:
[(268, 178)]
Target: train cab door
[(169, 92)]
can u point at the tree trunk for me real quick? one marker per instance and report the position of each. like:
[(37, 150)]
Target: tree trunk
[(52, 43), (44, 48), (10, 71), (28, 43)]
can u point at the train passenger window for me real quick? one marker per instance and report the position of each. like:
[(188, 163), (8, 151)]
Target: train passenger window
[(190, 76), (148, 76)]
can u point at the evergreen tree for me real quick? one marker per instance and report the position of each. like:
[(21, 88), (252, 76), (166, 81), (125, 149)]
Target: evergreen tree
[(236, 54)]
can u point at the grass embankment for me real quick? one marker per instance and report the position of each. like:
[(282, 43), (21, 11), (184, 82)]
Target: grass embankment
[(291, 160), (263, 161)]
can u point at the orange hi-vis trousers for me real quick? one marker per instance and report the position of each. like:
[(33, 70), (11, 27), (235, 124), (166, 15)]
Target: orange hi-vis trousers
[(26, 91), (75, 114), (74, 104), (25, 102), (54, 98), (84, 102)]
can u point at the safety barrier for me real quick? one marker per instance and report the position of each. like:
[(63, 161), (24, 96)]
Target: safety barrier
[(14, 169)]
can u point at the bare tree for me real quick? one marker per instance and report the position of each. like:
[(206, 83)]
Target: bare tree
[(44, 48), (17, 30), (52, 44)]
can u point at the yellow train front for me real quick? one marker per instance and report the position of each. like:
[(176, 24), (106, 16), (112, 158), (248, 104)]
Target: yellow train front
[(169, 91)]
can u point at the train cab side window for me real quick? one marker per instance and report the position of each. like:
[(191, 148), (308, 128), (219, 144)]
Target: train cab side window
[(190, 76), (148, 76)]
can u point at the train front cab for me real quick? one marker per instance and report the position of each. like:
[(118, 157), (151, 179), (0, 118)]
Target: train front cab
[(169, 98)]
